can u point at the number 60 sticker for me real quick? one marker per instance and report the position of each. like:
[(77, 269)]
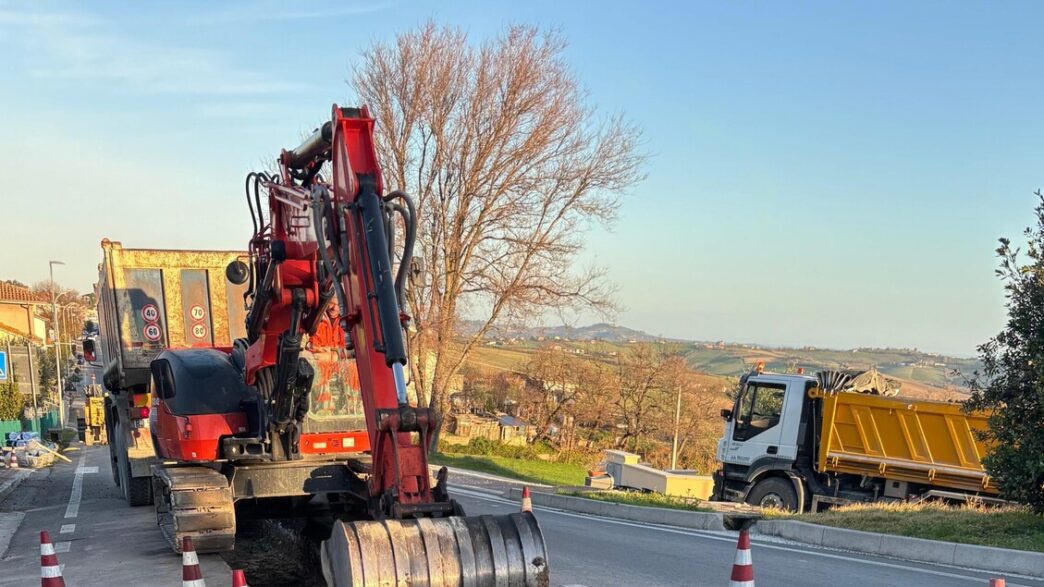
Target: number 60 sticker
[(152, 332)]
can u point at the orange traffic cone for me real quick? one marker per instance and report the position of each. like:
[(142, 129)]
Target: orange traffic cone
[(527, 501), (743, 568), (238, 578), (14, 460), (191, 575), (50, 571), (996, 582)]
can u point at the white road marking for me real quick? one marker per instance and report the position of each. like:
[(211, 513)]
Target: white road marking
[(86, 470), (68, 529), (60, 547), (73, 509), (732, 539)]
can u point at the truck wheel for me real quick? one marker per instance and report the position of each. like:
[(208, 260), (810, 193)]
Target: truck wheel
[(114, 466), (774, 492), (136, 490), (139, 491)]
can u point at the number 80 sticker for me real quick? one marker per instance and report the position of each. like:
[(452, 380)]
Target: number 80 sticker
[(199, 330)]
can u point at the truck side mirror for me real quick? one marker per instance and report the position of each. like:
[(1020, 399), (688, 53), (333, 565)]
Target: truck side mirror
[(237, 272), (726, 414)]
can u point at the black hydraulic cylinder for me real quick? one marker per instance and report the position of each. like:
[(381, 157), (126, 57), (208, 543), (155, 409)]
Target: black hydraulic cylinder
[(381, 270), (311, 148)]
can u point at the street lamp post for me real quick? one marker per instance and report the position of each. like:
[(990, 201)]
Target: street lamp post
[(674, 444), (57, 347)]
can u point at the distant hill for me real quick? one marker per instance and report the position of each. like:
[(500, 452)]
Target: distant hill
[(923, 374), (601, 331)]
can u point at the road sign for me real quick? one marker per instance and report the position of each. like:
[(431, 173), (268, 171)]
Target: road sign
[(150, 312), (3, 366), (199, 330), (151, 332), (198, 312)]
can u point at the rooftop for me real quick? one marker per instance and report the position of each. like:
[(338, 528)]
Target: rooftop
[(10, 292)]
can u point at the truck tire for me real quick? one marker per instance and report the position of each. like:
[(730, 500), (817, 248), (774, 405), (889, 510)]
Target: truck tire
[(136, 490), (774, 492)]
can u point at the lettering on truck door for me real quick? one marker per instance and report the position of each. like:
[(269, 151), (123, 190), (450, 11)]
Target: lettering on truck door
[(758, 422)]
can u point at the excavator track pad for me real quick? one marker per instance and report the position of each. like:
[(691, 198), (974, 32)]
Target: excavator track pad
[(472, 551), (196, 502)]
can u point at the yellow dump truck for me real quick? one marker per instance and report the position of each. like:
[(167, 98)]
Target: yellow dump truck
[(791, 443), (150, 300)]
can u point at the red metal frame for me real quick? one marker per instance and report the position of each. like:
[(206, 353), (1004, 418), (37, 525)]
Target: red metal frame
[(400, 459)]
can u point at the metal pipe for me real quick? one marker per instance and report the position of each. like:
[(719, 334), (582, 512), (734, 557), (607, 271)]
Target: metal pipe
[(400, 384), (57, 347)]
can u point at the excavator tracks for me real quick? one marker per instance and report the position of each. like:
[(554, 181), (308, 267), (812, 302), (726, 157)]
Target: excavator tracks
[(195, 502)]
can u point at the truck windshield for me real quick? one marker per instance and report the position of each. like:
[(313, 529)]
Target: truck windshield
[(758, 409)]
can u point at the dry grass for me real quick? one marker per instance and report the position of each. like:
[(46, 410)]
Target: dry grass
[(1013, 527)]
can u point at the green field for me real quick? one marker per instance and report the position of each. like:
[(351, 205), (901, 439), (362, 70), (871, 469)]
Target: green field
[(534, 471), (913, 367), (1007, 527)]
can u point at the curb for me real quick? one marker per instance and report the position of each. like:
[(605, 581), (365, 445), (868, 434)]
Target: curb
[(634, 513), (8, 486), (985, 558)]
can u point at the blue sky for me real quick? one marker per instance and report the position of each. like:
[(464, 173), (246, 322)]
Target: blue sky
[(833, 174)]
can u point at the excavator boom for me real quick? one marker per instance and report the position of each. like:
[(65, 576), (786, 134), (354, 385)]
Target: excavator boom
[(336, 240)]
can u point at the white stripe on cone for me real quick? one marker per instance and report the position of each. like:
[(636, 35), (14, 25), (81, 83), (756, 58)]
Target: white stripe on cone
[(194, 583), (46, 548), (189, 558), (50, 572), (741, 583), (743, 558)]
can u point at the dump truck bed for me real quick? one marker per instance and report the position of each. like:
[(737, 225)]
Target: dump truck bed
[(151, 299), (919, 441)]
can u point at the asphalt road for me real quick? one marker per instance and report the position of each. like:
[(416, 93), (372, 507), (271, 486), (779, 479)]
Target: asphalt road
[(591, 551), (98, 538), (102, 541)]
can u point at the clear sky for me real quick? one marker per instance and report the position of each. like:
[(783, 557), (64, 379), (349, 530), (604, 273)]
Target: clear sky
[(833, 174)]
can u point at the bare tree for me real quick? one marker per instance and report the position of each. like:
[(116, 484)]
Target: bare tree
[(642, 399), (509, 166)]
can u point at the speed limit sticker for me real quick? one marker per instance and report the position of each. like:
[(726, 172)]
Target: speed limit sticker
[(150, 312), (198, 312), (199, 330), (152, 332)]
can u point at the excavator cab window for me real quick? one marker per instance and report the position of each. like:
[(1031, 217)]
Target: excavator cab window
[(162, 379), (759, 408)]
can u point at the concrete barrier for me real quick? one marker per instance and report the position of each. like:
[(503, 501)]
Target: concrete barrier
[(985, 558), (633, 513)]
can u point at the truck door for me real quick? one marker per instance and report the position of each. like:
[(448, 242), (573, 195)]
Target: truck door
[(757, 425)]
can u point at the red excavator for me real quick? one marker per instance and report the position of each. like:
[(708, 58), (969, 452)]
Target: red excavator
[(274, 427)]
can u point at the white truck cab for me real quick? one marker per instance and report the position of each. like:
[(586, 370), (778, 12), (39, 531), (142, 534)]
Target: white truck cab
[(761, 444)]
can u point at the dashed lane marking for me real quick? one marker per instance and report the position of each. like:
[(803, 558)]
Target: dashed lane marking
[(68, 529), (73, 509), (732, 539), (86, 470), (60, 547)]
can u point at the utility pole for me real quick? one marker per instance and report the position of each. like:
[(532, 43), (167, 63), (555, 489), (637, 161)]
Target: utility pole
[(677, 419), (32, 385), (57, 347)]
